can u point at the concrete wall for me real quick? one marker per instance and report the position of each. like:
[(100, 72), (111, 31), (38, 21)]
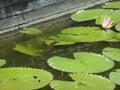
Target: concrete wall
[(16, 14)]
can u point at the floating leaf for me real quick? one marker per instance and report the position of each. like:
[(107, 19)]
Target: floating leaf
[(86, 15), (83, 62), (84, 82), (112, 40), (80, 34), (117, 36), (89, 34), (61, 39), (117, 27), (114, 16), (33, 31), (2, 62), (99, 20), (113, 53), (23, 78), (115, 76), (33, 49), (98, 14), (114, 5)]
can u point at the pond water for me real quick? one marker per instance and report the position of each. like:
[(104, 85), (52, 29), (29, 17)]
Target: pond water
[(17, 59)]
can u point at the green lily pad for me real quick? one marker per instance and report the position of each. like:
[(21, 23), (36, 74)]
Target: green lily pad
[(113, 14), (115, 76), (61, 39), (99, 20), (112, 53), (89, 34), (23, 78), (80, 34), (114, 5), (92, 14), (33, 31), (2, 62), (84, 82), (85, 15), (32, 49), (117, 27), (98, 14), (83, 62), (112, 40), (117, 36)]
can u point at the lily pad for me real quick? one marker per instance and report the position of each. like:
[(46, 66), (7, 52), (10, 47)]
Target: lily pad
[(83, 62), (117, 27), (33, 31), (23, 78), (61, 39), (112, 53), (2, 62), (98, 14), (114, 5), (115, 76), (93, 14), (113, 18), (85, 15), (89, 34), (117, 36), (113, 40), (32, 49), (84, 82), (80, 34)]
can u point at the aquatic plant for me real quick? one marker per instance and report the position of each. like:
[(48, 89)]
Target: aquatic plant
[(117, 27), (2, 62), (112, 5), (84, 82), (94, 14), (115, 76), (85, 15), (83, 62), (112, 53), (31, 31), (23, 78), (80, 34), (29, 48)]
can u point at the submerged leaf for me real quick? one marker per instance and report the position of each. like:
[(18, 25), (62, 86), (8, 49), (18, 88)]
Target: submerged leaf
[(2, 62), (84, 82), (115, 76), (23, 78), (33, 49), (114, 5), (33, 31), (83, 62), (112, 53)]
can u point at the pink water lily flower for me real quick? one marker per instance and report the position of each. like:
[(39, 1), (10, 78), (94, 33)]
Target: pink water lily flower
[(107, 24)]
